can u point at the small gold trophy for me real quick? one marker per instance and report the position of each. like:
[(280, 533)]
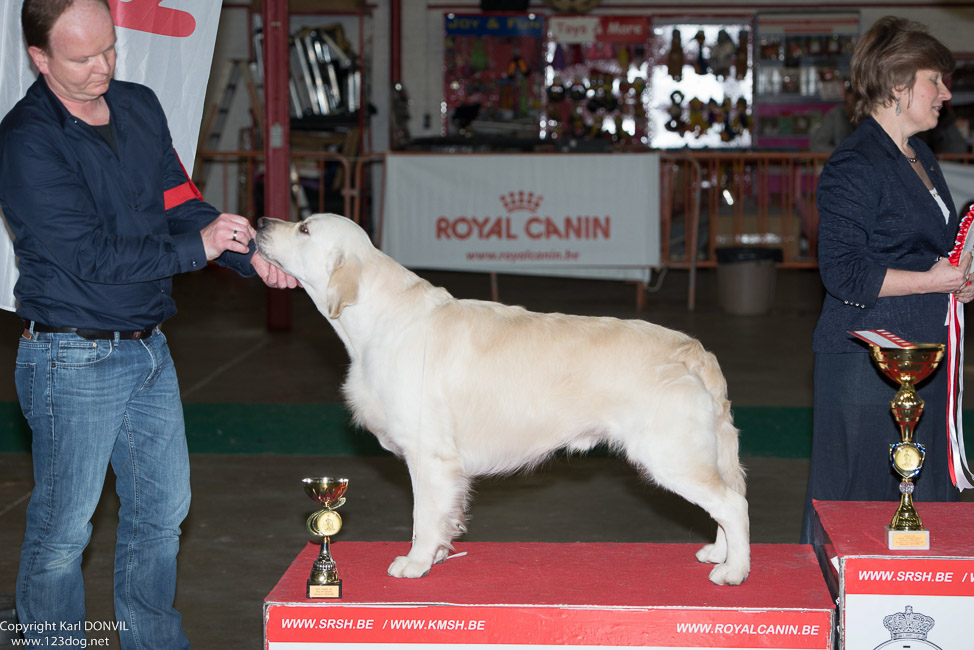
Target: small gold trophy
[(907, 366), (329, 494)]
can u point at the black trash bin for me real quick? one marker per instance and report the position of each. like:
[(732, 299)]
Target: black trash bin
[(746, 278)]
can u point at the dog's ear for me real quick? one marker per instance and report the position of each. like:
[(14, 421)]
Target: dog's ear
[(343, 283)]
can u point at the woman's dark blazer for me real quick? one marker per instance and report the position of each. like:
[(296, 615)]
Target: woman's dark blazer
[(875, 213)]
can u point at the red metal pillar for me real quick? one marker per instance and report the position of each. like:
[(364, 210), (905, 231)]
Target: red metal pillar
[(277, 155), (395, 42)]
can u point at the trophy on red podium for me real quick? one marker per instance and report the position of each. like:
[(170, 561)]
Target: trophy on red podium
[(329, 494), (907, 365)]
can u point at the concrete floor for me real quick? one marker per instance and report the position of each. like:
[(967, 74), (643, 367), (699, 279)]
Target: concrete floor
[(247, 519)]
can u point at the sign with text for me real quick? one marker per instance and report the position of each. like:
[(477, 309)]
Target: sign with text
[(451, 626), (523, 213), (923, 600), (598, 29)]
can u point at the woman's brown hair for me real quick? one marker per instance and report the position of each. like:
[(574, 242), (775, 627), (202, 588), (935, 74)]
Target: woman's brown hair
[(887, 58)]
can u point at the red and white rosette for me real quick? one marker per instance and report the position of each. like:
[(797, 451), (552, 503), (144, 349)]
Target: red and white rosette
[(960, 473)]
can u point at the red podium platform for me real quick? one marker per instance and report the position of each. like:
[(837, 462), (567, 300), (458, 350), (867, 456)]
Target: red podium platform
[(537, 595), (917, 599)]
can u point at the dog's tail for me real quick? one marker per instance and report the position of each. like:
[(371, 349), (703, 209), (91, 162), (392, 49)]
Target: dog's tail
[(707, 369)]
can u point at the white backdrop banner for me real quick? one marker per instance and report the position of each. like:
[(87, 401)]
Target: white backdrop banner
[(591, 215), (166, 48), (960, 181)]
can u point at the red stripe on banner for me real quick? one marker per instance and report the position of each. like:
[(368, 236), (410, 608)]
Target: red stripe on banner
[(148, 16)]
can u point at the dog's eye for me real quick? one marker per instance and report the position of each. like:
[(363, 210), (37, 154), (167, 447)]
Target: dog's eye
[(304, 229)]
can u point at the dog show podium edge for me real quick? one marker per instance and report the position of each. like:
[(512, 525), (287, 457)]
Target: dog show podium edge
[(541, 594), (923, 599)]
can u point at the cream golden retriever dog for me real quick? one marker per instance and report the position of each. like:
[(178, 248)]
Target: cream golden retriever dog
[(467, 388)]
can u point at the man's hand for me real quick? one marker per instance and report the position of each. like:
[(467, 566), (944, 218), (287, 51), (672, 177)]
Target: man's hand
[(272, 276), (228, 232)]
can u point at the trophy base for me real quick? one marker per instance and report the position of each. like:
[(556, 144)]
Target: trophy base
[(907, 540), (330, 590)]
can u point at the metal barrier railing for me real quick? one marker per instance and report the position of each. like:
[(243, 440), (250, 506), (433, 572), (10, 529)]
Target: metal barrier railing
[(709, 200), (319, 181), (745, 199)]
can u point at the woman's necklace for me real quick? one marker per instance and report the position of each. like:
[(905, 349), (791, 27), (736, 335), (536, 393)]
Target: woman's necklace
[(912, 160)]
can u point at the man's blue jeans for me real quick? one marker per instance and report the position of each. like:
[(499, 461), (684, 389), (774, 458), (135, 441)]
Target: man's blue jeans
[(91, 403)]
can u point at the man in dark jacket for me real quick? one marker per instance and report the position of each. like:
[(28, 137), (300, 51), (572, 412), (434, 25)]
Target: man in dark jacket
[(102, 216)]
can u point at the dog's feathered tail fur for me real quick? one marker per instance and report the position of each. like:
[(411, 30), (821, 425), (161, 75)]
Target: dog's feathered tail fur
[(728, 443)]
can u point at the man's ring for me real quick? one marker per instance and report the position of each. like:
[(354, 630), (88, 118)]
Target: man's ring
[(234, 238)]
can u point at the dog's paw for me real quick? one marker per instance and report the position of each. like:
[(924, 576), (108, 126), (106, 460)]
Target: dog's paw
[(403, 567), (711, 554), (725, 574)]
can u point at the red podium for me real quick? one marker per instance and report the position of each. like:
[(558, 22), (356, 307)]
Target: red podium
[(917, 599), (533, 595)]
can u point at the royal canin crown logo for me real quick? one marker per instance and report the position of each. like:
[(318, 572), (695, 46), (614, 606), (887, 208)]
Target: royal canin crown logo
[(521, 201)]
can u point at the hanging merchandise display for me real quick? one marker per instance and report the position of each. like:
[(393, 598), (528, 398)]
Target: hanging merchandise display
[(493, 73), (596, 80), (700, 84), (802, 62)]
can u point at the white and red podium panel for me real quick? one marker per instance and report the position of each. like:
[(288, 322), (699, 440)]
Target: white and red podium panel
[(547, 595), (924, 598)]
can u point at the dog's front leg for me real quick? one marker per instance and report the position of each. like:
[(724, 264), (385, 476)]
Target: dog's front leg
[(439, 497)]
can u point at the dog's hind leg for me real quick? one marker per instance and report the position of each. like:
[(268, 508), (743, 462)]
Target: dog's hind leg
[(704, 486), (440, 490), (714, 553), (684, 460), (732, 547)]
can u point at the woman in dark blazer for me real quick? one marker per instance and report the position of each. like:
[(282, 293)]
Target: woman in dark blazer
[(886, 227)]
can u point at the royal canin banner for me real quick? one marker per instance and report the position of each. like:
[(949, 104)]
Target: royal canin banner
[(168, 48), (589, 215)]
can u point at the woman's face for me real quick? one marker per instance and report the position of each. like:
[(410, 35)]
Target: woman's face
[(922, 103)]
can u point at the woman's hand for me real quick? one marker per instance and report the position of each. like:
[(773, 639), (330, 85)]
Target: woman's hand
[(942, 277), (966, 292), (948, 278)]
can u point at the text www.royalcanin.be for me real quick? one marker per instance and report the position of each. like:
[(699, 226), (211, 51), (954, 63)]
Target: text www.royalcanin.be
[(524, 256)]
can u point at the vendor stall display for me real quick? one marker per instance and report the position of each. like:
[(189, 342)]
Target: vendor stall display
[(801, 63), (492, 73), (700, 84), (596, 79)]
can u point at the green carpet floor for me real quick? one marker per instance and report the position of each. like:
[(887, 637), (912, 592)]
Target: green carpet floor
[(325, 429)]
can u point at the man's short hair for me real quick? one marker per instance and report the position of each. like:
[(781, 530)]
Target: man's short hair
[(37, 18)]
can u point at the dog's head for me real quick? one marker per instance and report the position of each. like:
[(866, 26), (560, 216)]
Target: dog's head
[(324, 252)]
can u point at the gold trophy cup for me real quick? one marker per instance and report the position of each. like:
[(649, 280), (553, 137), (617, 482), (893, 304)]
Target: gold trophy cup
[(907, 367), (329, 494)]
